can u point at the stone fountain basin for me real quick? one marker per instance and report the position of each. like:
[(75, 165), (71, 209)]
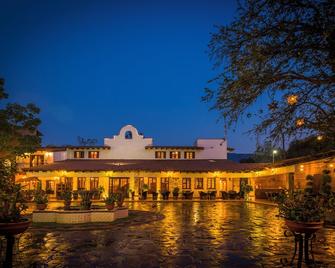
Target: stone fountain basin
[(79, 216)]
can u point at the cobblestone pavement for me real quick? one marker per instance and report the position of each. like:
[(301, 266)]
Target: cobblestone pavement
[(191, 234)]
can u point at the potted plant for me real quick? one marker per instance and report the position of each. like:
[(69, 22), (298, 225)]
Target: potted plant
[(304, 210), (41, 199), (110, 201), (120, 195), (131, 193), (86, 197), (154, 195), (145, 190), (165, 194), (175, 193), (245, 190), (66, 195)]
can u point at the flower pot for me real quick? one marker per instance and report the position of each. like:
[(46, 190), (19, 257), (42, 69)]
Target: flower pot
[(13, 228), (110, 206), (304, 227), (41, 206)]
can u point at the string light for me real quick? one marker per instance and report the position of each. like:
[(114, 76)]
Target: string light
[(292, 99), (300, 122)]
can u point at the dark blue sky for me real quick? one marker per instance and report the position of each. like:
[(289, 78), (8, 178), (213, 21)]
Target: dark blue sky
[(98, 65)]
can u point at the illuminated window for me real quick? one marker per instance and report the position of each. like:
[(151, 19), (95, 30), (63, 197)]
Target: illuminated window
[(81, 183), (79, 154), (189, 155), (93, 154), (175, 155), (199, 183), (94, 183), (160, 154), (211, 183), (128, 135), (186, 183)]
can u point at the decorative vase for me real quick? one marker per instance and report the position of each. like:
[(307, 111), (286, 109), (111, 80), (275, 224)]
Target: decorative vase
[(41, 206), (110, 206), (14, 228), (304, 227)]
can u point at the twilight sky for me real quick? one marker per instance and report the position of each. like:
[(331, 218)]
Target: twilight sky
[(98, 65)]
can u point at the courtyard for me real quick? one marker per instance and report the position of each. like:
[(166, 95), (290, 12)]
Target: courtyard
[(172, 234)]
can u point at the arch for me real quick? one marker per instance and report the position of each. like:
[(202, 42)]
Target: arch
[(128, 135)]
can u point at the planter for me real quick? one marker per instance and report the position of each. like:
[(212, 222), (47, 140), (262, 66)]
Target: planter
[(110, 206), (41, 206), (175, 196), (14, 228), (154, 196), (144, 195), (304, 227)]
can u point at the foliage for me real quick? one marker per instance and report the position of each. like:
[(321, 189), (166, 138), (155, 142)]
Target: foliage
[(18, 132), (66, 195), (40, 196), (120, 195), (145, 188), (18, 135), (175, 191), (281, 55), (109, 200), (306, 205), (310, 145), (12, 202), (86, 197)]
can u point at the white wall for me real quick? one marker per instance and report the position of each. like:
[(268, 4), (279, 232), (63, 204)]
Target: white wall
[(213, 149), (59, 156), (122, 148)]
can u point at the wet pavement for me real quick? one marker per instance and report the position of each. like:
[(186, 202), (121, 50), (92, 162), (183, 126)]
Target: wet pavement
[(191, 234)]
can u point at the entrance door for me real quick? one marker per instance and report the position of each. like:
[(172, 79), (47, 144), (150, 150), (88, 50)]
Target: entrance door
[(291, 182), (65, 183), (116, 183)]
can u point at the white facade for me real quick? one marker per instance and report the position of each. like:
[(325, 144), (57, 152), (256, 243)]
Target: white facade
[(213, 149), (129, 144)]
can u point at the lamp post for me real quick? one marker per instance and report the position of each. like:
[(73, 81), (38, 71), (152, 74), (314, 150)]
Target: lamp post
[(273, 155)]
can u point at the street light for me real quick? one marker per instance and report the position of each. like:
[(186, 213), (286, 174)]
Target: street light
[(273, 155)]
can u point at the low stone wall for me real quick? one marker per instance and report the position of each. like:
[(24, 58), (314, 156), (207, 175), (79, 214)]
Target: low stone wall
[(79, 216)]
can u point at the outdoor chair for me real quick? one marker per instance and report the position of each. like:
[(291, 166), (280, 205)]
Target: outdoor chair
[(224, 195), (212, 195), (203, 195), (232, 194)]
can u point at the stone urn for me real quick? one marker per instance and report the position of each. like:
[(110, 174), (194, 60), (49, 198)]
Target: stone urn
[(41, 206), (304, 227), (14, 228)]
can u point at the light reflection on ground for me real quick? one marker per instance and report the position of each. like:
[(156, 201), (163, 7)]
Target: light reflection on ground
[(192, 234)]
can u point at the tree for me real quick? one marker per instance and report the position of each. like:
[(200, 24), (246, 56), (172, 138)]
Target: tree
[(310, 146), (18, 128), (280, 53)]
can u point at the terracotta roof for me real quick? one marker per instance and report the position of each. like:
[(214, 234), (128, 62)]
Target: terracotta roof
[(174, 147), (304, 159), (149, 165)]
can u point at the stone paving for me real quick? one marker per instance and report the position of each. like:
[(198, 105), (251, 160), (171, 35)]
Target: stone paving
[(183, 234)]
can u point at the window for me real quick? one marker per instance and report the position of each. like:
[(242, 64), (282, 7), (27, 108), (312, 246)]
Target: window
[(199, 183), (81, 183), (93, 154), (164, 184), (94, 183), (160, 154), (175, 155), (186, 183), (128, 135), (79, 154), (36, 160), (152, 183), (50, 187), (189, 155), (211, 183)]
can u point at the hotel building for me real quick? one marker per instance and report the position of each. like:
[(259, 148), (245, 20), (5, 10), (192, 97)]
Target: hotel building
[(132, 160)]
